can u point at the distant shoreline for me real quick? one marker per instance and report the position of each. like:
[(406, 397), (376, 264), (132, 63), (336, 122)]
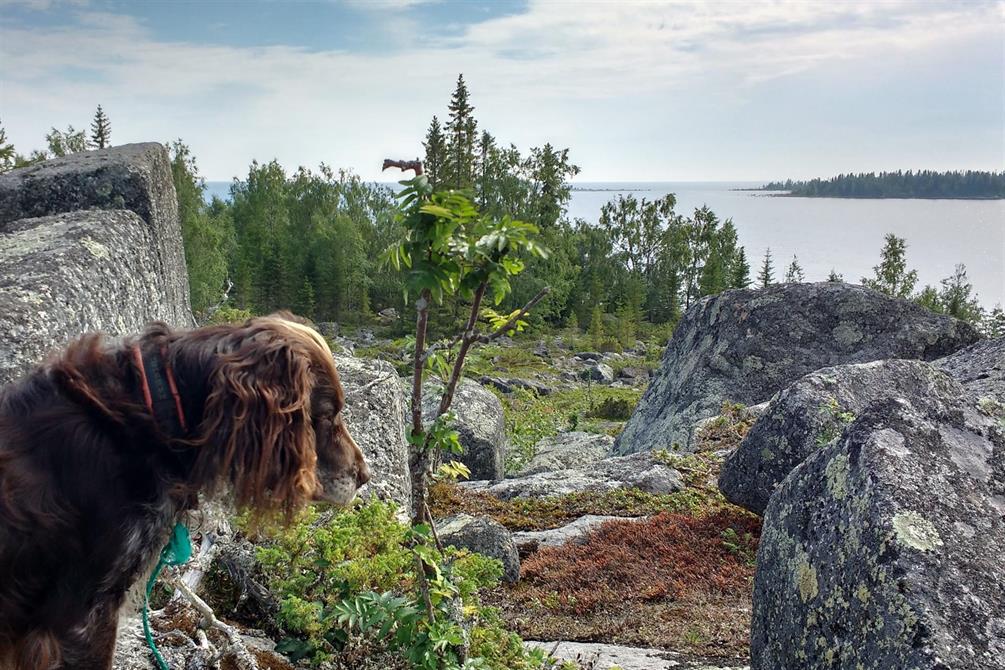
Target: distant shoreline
[(772, 193)]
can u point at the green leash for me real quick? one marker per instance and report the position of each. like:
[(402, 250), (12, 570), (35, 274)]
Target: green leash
[(177, 551)]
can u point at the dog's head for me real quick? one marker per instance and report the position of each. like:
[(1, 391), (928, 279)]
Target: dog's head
[(275, 409)]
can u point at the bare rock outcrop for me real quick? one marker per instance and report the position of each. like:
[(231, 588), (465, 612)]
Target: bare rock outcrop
[(88, 242), (745, 345)]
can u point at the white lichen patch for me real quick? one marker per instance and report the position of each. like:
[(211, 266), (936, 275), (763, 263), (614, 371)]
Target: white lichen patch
[(96, 249), (847, 334), (915, 531), (806, 578), (837, 476)]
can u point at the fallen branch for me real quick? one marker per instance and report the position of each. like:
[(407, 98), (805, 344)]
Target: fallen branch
[(244, 659)]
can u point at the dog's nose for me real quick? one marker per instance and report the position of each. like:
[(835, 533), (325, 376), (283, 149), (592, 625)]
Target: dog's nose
[(362, 474)]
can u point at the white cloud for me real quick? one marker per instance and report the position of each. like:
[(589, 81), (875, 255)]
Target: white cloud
[(582, 74)]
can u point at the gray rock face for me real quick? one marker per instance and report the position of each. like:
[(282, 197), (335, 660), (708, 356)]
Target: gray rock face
[(980, 368), (639, 471), (484, 536), (811, 413), (745, 345), (575, 449), (132, 177), (69, 274), (113, 266), (480, 423), (375, 416), (883, 549), (529, 541)]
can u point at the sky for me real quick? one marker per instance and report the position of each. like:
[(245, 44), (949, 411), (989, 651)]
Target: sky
[(677, 91)]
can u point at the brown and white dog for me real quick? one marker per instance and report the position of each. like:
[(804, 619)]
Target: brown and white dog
[(103, 447)]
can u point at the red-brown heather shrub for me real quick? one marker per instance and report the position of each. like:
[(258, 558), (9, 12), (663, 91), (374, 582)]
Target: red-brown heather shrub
[(668, 557)]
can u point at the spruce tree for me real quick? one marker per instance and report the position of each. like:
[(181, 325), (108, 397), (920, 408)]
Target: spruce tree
[(7, 155), (795, 272), (994, 323), (101, 130), (835, 277), (766, 277), (461, 129), (892, 276), (740, 270), (435, 146)]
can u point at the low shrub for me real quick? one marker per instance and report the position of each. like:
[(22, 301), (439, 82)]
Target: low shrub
[(673, 581), (552, 512), (359, 578)]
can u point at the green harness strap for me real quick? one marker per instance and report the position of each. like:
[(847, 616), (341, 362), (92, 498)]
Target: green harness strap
[(177, 551)]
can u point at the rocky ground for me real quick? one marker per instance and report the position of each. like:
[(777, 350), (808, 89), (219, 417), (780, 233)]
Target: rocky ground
[(880, 481)]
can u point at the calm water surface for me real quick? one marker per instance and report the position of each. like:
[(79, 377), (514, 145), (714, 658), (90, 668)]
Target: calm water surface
[(843, 234)]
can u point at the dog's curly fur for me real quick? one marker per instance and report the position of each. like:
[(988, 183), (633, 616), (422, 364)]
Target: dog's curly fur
[(91, 483)]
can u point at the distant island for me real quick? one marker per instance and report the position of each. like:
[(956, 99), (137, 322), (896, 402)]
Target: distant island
[(969, 185)]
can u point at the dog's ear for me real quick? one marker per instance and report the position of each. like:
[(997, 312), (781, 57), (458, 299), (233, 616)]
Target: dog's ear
[(260, 437)]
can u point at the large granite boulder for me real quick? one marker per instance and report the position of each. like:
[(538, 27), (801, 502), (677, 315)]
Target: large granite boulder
[(574, 449), (980, 368), (745, 345), (811, 413), (636, 471), (375, 417), (90, 242), (484, 536), (884, 549), (480, 424)]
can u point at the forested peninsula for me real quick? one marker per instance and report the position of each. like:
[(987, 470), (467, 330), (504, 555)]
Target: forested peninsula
[(968, 185)]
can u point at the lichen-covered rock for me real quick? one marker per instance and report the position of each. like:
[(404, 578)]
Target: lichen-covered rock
[(610, 656), (884, 549), (574, 449), (745, 345), (484, 536), (577, 531), (811, 413), (980, 368), (132, 177), (639, 471), (480, 424), (375, 416), (598, 372), (69, 274)]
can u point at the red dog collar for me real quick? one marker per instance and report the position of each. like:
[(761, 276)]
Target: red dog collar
[(159, 388)]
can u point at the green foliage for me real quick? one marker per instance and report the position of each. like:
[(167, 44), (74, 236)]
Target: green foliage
[(795, 272), (956, 299), (766, 276), (62, 143), (357, 573), (319, 229), (7, 154), (530, 417), (101, 130), (993, 324), (616, 409), (206, 230), (892, 276), (436, 154), (596, 330), (836, 420), (449, 247), (899, 184)]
